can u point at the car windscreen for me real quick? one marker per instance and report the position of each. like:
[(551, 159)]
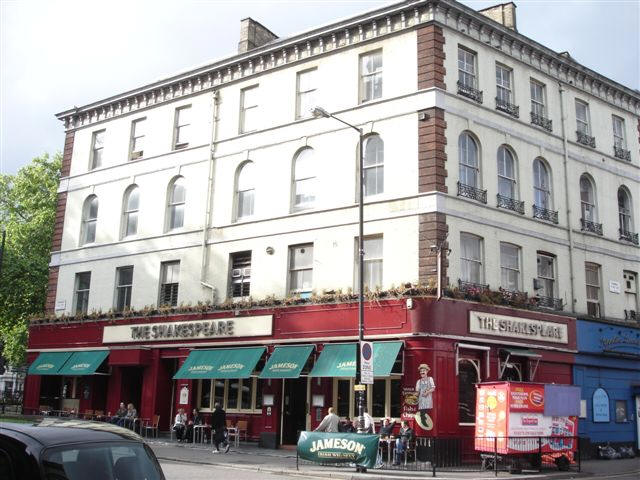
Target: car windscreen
[(101, 461)]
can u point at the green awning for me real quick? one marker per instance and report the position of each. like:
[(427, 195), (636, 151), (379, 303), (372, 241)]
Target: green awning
[(339, 359), (48, 363), (84, 363), (287, 362), (384, 356), (336, 360), (220, 363)]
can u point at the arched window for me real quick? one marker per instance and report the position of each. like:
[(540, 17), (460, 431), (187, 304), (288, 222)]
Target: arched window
[(89, 220), (468, 376), (587, 200), (130, 205), (541, 185), (304, 180), (506, 174), (245, 190), (176, 196), (468, 159), (624, 212), (373, 166)]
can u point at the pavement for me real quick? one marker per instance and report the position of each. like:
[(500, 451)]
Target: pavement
[(248, 456)]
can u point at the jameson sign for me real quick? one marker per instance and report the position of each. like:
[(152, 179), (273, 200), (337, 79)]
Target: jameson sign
[(517, 327), (321, 447), (192, 330)]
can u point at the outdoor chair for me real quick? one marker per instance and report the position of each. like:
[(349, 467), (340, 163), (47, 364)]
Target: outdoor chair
[(232, 433), (88, 414), (44, 410), (99, 415), (151, 426), (242, 427)]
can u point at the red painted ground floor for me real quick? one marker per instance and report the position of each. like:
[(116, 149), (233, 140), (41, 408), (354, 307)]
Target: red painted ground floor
[(463, 343)]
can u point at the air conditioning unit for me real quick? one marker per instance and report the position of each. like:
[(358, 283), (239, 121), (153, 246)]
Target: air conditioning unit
[(135, 155), (236, 273), (246, 272)]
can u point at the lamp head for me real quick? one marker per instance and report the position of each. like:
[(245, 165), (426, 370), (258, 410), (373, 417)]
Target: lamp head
[(319, 112)]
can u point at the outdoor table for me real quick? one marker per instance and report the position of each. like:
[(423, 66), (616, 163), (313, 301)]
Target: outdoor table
[(391, 445), (199, 432)]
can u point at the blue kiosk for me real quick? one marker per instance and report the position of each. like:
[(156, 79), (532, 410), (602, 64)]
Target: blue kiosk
[(607, 368)]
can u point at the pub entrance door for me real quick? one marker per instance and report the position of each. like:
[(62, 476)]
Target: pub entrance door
[(294, 409)]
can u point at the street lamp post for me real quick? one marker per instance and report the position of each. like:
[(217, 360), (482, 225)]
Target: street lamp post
[(321, 112)]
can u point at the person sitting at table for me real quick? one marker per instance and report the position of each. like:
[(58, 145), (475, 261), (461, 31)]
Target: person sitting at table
[(405, 436), (347, 426), (197, 420), (369, 424), (120, 413), (180, 424), (387, 428), (128, 421)]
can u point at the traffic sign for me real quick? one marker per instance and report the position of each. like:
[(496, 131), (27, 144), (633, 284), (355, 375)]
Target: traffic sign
[(366, 363)]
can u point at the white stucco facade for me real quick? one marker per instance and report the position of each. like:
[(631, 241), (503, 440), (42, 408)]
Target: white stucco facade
[(217, 146)]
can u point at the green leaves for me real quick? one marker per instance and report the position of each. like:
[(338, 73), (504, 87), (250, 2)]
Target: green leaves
[(27, 213)]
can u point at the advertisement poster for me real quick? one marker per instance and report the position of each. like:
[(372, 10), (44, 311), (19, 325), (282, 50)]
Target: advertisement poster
[(409, 403), (526, 398), (321, 447), (491, 417)]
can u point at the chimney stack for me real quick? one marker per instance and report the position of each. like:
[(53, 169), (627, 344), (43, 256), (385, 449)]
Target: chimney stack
[(253, 35), (504, 13)]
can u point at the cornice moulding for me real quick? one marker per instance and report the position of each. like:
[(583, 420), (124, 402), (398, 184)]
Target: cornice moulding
[(363, 28)]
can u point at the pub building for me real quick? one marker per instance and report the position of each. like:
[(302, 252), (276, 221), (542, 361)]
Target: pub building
[(280, 369)]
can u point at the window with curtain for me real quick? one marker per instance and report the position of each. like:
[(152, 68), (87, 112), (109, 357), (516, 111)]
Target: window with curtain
[(370, 76), (89, 220), (372, 263), (618, 132), (97, 149), (503, 84), (546, 275), (538, 99), (301, 268), (510, 266), (130, 211), (467, 68), (506, 173), (304, 180), (175, 205), (124, 286), (587, 200), (582, 117), (373, 165), (81, 294), (245, 190), (541, 185), (471, 269), (624, 211), (468, 159)]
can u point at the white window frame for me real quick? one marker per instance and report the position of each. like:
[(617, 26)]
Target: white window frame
[(181, 127), (619, 137), (89, 223), (464, 72), (553, 279), (625, 217), (97, 149), (164, 267), (594, 268), (225, 405), (463, 161), (127, 212), (376, 168), (137, 138), (368, 79), (503, 151), (504, 83), (476, 261), (583, 124), (308, 93), (304, 268), (369, 261), (310, 178), (174, 206), (248, 109), (120, 287), (538, 187), (588, 209), (251, 189), (239, 275), (538, 98), (77, 291), (517, 269)]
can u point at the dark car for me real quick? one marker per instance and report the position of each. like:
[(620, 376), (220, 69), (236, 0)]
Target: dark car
[(54, 449)]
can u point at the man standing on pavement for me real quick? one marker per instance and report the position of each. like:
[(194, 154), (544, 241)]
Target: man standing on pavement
[(218, 425), (330, 423)]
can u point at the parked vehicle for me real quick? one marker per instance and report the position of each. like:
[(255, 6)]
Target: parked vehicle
[(607, 452), (55, 449)]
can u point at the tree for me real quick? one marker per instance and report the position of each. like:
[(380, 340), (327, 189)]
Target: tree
[(27, 213)]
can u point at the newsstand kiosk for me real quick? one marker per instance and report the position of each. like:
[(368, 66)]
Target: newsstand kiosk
[(532, 422)]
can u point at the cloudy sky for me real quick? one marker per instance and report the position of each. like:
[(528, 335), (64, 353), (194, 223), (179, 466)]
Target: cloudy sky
[(55, 54)]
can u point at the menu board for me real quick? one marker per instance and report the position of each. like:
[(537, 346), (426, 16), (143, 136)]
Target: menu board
[(491, 417), (526, 398)]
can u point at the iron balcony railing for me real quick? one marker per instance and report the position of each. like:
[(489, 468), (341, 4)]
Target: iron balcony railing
[(550, 302), (628, 236), (472, 286), (541, 121), (469, 92), (588, 226), (507, 107), (510, 204), (472, 192), (622, 153), (544, 214), (585, 139)]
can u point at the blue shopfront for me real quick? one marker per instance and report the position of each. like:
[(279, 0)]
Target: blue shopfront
[(607, 368)]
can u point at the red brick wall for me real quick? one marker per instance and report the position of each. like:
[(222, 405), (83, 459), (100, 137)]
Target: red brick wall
[(431, 57)]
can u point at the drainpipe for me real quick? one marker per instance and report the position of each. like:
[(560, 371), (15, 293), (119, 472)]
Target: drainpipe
[(204, 263), (565, 159)]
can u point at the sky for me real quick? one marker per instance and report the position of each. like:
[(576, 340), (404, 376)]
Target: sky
[(55, 54)]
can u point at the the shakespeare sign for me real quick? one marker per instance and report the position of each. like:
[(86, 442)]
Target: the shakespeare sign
[(321, 447), (192, 330), (516, 327)]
